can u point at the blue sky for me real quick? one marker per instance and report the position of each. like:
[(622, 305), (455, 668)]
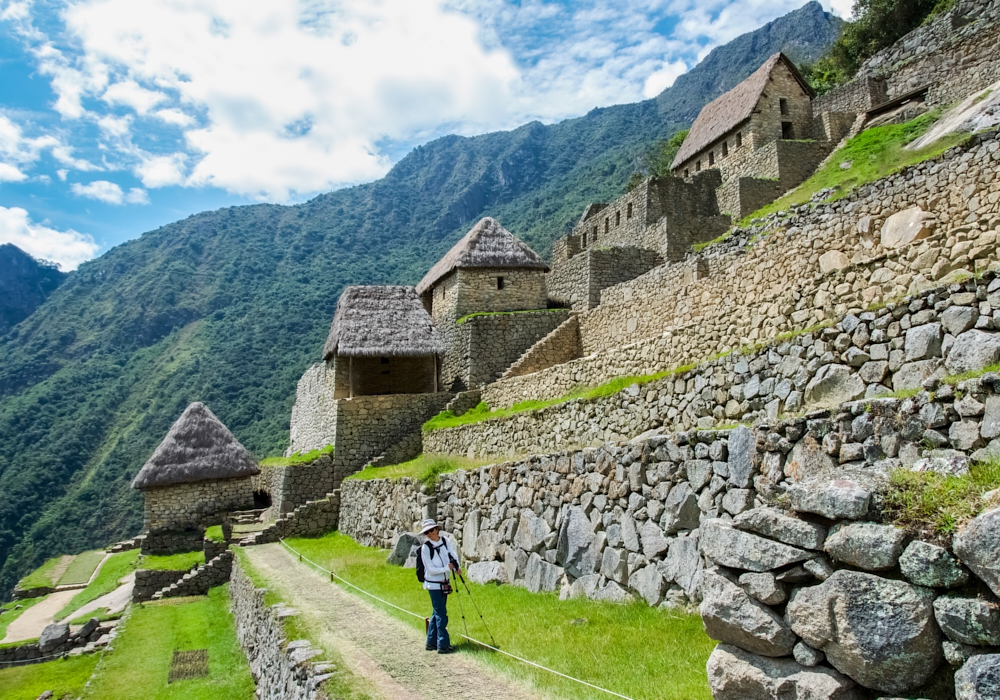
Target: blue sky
[(118, 116)]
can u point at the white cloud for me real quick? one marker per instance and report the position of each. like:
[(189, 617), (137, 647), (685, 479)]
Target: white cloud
[(130, 94), (9, 173), (161, 171), (662, 79), (175, 117), (109, 193), (69, 248)]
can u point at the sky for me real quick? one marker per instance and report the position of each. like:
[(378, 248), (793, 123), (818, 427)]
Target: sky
[(119, 116)]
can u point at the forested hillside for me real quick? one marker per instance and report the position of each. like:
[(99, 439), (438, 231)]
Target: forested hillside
[(230, 307), (24, 284)]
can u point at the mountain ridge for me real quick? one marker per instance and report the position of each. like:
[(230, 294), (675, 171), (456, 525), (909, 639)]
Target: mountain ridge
[(229, 307)]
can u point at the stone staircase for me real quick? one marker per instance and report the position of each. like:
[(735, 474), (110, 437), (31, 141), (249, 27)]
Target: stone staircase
[(310, 518), (199, 580)]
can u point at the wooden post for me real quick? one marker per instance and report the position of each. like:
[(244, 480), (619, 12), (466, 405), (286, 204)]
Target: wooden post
[(350, 375)]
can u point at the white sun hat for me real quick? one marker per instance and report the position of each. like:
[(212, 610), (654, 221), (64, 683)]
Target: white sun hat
[(427, 526)]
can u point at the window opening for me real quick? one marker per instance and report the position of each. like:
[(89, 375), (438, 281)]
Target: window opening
[(711, 158), (607, 224), (594, 237), (687, 172), (618, 218), (384, 360), (628, 212), (725, 149), (786, 130), (697, 167), (584, 242), (499, 282), (783, 105), (739, 139)]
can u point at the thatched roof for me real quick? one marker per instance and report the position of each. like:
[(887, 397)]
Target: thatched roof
[(488, 244), (198, 447), (382, 321), (726, 112)]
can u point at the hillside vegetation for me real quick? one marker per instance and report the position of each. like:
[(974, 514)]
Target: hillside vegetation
[(230, 307)]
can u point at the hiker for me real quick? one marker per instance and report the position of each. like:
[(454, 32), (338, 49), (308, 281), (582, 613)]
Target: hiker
[(439, 559)]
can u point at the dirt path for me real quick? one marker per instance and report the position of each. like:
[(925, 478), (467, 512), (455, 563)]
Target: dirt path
[(380, 648), (36, 618), (115, 601)]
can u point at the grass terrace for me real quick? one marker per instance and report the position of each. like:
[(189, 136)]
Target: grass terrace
[(297, 458), (631, 649), (81, 568), (426, 469), (172, 562), (154, 631), (66, 678), (465, 318), (108, 579), (46, 575)]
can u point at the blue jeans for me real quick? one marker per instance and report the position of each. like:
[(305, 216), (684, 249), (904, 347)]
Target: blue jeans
[(437, 630)]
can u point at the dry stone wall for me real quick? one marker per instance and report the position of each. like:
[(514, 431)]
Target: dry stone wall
[(182, 506), (375, 511), (292, 485), (281, 669), (786, 274), (896, 348), (314, 415), (578, 282), (558, 347)]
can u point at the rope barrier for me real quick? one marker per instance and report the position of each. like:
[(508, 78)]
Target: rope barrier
[(464, 636)]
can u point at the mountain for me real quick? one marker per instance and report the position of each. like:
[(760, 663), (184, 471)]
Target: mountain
[(229, 307), (24, 284)]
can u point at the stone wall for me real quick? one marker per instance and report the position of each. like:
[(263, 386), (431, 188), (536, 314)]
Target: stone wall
[(314, 416), (558, 347), (742, 196), (481, 348), (214, 572), (150, 581), (182, 506), (313, 517), (58, 641), (859, 95), (281, 669), (166, 542), (467, 291), (579, 281), (292, 485), (896, 348), (375, 511)]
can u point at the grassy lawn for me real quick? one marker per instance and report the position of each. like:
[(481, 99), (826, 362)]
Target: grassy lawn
[(465, 318), (64, 677), (873, 155), (631, 649), (116, 567), (214, 533), (297, 458), (936, 506), (81, 568), (46, 575), (172, 562), (143, 652), (10, 614), (425, 468)]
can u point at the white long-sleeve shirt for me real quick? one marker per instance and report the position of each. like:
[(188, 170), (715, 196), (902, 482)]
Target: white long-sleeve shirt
[(436, 564)]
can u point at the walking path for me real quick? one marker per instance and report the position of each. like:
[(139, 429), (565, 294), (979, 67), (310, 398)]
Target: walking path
[(36, 618), (386, 652)]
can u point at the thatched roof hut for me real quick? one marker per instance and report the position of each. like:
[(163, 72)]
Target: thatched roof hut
[(726, 112), (486, 245), (198, 447), (382, 321)]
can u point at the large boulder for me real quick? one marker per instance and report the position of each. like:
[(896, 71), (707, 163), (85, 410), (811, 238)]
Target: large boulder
[(727, 546), (733, 617), (927, 564), (575, 542), (735, 674), (979, 678), (833, 385), (654, 543), (968, 620), (742, 448), (777, 525), (540, 575), (902, 228), (680, 510), (913, 374), (879, 632), (648, 583), (973, 350), (807, 460), (684, 564), (923, 342), (867, 546), (835, 499), (52, 636), (531, 531), (470, 533), (406, 543), (487, 572), (977, 546)]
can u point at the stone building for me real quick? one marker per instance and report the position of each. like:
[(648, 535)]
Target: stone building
[(471, 294), (199, 472), (763, 137), (382, 341)]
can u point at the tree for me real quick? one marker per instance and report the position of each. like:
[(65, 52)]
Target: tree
[(656, 161)]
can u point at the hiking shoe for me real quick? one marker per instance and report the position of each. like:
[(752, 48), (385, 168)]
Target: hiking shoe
[(431, 648), (447, 650)]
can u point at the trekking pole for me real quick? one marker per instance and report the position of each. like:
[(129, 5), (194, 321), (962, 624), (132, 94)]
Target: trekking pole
[(485, 626), (461, 610)]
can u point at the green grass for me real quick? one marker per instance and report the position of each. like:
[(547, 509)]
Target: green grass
[(143, 652), (172, 562), (297, 458), (101, 617), (426, 469), (631, 649), (82, 567), (874, 154), (465, 318), (214, 533), (10, 614), (42, 577), (64, 677), (116, 567), (932, 505)]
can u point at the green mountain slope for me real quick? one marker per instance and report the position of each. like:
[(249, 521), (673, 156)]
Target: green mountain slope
[(230, 307), (24, 284)]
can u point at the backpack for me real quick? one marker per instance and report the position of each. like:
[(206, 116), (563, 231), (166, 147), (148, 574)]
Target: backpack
[(420, 559)]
